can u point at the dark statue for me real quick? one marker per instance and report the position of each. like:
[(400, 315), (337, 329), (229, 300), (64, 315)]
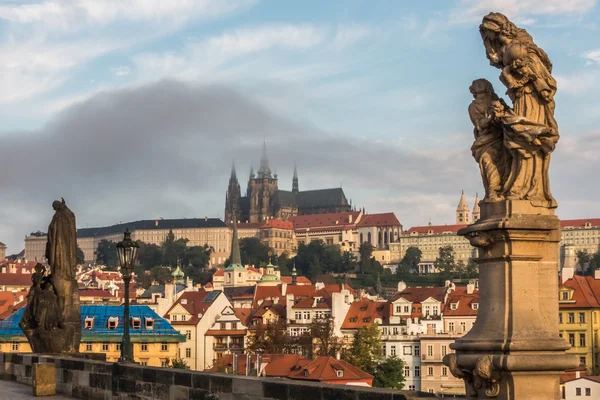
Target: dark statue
[(513, 145), (52, 320)]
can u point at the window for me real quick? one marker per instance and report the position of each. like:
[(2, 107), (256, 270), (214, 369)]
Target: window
[(15, 346), (164, 363), (577, 391), (88, 347), (173, 317), (393, 350), (463, 326), (560, 318), (188, 335), (223, 325), (298, 315), (453, 306), (188, 352), (417, 350), (417, 371), (475, 306), (407, 350), (429, 371), (104, 346), (571, 318), (89, 323), (582, 339), (572, 339), (406, 310), (306, 314), (118, 347), (136, 323), (406, 371), (164, 347), (582, 360), (143, 363), (429, 390), (149, 322), (411, 387), (112, 322), (339, 373), (451, 326), (443, 350), (588, 391), (144, 346), (582, 318), (565, 295)]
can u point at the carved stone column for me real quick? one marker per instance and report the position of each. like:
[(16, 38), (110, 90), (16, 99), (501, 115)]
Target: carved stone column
[(514, 350)]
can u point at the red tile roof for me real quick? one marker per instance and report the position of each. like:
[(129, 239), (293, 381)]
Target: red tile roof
[(193, 303), (435, 229), (384, 219), (579, 223), (464, 302), (18, 279), (225, 332), (364, 313), (94, 293), (586, 292), (219, 272), (243, 314), (11, 302), (299, 279), (324, 369), (418, 294), (278, 224), (332, 221)]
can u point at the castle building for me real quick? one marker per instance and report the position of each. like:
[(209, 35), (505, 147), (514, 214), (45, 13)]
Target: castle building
[(264, 199)]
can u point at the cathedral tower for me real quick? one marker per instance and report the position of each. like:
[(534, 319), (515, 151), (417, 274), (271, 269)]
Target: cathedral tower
[(462, 211), (295, 181), (476, 211), (261, 190), (232, 198)]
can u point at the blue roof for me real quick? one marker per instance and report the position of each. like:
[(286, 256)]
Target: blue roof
[(161, 328)]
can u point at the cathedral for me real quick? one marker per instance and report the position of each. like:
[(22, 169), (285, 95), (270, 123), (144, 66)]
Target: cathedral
[(264, 200)]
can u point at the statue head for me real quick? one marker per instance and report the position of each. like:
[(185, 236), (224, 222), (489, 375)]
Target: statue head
[(59, 204), (481, 86)]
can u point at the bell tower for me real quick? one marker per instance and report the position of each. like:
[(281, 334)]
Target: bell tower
[(462, 211)]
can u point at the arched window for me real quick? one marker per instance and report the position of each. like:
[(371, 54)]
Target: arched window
[(379, 239), (369, 237), (361, 238)]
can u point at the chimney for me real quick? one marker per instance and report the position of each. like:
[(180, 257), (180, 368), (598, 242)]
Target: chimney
[(205, 219), (577, 374), (470, 288), (284, 288), (567, 273), (401, 286), (597, 274), (349, 221)]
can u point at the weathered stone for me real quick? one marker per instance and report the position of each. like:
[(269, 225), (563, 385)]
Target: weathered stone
[(44, 379)]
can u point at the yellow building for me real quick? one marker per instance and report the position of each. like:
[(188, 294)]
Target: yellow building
[(579, 319), (154, 340)]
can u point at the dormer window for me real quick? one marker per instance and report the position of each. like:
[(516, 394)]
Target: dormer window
[(173, 317), (89, 323), (453, 306), (149, 323), (113, 322), (367, 319), (475, 306), (564, 295), (353, 319), (339, 373), (136, 323), (305, 372)]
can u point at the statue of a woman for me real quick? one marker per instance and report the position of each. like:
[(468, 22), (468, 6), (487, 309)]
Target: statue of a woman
[(61, 248), (526, 72)]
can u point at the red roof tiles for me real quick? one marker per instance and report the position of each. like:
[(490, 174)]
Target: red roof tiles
[(435, 229), (464, 303), (193, 303), (579, 223), (333, 220), (383, 219), (586, 292), (364, 313), (278, 224)]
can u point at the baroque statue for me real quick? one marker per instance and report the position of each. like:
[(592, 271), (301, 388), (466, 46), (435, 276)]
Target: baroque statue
[(52, 320), (513, 144)]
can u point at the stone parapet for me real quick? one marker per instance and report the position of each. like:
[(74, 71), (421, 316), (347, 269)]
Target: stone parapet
[(98, 380)]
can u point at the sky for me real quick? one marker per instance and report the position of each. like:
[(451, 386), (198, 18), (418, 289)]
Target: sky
[(136, 109)]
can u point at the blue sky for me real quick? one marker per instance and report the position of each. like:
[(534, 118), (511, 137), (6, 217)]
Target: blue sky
[(368, 94)]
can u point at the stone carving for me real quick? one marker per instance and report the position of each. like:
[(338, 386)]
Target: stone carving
[(513, 145), (484, 376), (52, 321)]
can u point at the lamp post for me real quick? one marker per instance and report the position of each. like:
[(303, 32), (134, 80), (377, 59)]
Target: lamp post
[(126, 250)]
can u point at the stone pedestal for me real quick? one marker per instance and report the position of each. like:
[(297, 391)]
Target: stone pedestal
[(514, 350), (44, 379)]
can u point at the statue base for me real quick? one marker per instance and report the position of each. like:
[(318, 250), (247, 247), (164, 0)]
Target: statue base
[(514, 350)]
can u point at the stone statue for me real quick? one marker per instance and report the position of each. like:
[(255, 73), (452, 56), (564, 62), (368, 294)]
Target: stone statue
[(52, 320), (529, 130)]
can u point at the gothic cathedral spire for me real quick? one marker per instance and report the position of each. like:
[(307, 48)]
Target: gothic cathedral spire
[(295, 189), (264, 171), (462, 211), (232, 198)]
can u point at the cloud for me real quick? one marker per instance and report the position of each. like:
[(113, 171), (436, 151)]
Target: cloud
[(121, 70), (165, 150), (592, 56), (578, 82), (474, 10)]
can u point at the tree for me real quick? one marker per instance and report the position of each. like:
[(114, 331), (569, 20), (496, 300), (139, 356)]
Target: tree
[(471, 268), (595, 261), (366, 251), (161, 274), (149, 255), (80, 256), (410, 261), (461, 268), (349, 262), (583, 259), (445, 261), (106, 254), (177, 363), (365, 352), (269, 339), (378, 287), (173, 249), (252, 252), (389, 373), (322, 331), (197, 256)]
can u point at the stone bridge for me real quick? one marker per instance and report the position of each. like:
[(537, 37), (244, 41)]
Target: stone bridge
[(99, 380)]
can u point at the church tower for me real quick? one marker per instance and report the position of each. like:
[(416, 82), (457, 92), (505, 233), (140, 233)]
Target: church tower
[(232, 198), (462, 211), (261, 190), (476, 211), (295, 189)]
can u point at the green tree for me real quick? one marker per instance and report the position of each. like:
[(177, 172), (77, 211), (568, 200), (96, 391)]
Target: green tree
[(349, 262), (322, 332), (583, 259), (595, 261), (252, 252), (445, 261), (284, 263), (378, 287), (410, 261), (471, 268), (149, 255), (177, 363), (366, 251), (389, 373), (80, 256), (365, 352), (169, 250), (161, 274), (106, 254), (197, 256), (269, 339), (461, 268)]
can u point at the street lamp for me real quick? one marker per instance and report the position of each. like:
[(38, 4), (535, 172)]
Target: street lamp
[(126, 250)]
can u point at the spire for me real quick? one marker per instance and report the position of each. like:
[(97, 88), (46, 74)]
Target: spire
[(251, 171), (462, 211), (294, 273), (264, 171), (295, 189), (233, 177), (476, 210), (236, 259)]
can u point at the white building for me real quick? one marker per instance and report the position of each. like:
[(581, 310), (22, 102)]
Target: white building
[(584, 387)]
